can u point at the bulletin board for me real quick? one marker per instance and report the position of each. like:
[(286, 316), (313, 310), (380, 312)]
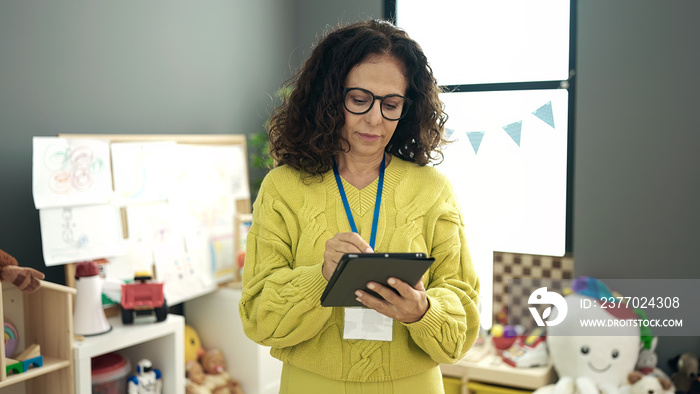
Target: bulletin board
[(203, 214)]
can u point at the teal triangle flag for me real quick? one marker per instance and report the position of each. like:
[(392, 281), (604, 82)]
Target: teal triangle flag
[(475, 138), (513, 131), (449, 132), (545, 114)]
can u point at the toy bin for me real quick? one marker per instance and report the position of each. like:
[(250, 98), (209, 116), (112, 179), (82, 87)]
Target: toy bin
[(109, 374)]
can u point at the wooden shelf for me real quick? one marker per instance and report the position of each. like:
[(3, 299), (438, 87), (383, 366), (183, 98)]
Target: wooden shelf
[(44, 317), (50, 364)]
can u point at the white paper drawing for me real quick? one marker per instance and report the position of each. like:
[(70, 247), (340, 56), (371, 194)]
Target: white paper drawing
[(154, 226), (180, 275), (75, 234), (142, 171), (70, 172), (208, 170)]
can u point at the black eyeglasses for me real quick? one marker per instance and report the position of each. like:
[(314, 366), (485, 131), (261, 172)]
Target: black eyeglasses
[(359, 101)]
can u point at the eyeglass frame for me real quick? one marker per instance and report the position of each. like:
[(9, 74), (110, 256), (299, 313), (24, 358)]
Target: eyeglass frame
[(404, 111)]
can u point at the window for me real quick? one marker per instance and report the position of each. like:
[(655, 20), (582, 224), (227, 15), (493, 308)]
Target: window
[(507, 69)]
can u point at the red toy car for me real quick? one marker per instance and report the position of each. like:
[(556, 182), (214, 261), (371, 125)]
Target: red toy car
[(143, 297)]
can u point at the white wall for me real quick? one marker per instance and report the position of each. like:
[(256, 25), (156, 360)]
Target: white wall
[(636, 158)]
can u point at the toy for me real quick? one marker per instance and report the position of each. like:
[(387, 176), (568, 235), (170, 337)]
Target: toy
[(502, 337), (193, 345), (685, 373), (88, 314), (647, 361), (638, 383), (11, 337), (26, 279), (194, 372), (217, 379), (146, 380), (29, 358), (143, 297), (589, 364), (529, 351)]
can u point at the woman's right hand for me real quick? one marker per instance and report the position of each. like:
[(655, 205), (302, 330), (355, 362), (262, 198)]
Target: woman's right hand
[(339, 245)]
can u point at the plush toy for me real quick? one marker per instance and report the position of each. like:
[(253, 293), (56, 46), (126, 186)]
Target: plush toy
[(221, 382), (194, 372), (26, 279), (591, 364), (685, 373), (639, 383), (647, 361), (193, 345)]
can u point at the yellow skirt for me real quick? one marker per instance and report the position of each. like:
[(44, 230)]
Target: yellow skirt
[(298, 381)]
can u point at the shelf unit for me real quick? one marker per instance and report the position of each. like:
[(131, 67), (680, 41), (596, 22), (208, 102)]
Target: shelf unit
[(163, 343), (44, 317)]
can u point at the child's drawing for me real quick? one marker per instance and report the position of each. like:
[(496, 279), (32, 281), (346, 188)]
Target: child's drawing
[(70, 235), (69, 230), (69, 172), (142, 171)]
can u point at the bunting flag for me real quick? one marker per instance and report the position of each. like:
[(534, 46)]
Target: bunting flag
[(475, 138), (545, 114), (513, 131)]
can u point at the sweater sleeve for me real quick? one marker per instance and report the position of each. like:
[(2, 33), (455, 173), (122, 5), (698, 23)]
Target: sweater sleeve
[(280, 305), (450, 326)]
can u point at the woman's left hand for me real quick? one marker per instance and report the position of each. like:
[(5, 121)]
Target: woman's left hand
[(408, 306)]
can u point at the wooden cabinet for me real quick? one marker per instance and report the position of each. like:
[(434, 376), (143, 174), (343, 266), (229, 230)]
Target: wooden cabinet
[(44, 317)]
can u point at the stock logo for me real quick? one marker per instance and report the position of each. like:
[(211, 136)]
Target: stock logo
[(540, 297)]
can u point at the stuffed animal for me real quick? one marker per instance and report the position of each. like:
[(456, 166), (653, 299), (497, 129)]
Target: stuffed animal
[(639, 383), (685, 373), (194, 372), (193, 345), (26, 279), (214, 365), (647, 361), (591, 364)]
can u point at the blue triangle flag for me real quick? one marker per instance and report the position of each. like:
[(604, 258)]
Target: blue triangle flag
[(545, 114), (449, 132), (475, 138), (513, 131)]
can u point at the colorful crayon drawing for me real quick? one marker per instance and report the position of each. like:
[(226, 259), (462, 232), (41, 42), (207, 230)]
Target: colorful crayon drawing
[(70, 172), (71, 168)]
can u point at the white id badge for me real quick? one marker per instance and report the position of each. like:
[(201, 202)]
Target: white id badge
[(365, 323)]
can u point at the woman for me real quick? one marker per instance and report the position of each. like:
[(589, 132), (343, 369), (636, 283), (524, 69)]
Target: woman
[(360, 125)]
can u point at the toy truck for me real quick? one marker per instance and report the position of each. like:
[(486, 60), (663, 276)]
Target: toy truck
[(143, 297)]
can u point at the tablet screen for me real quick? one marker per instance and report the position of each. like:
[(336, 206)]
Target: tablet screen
[(355, 270)]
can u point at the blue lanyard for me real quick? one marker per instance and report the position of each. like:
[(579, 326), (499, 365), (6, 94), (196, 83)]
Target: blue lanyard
[(377, 202)]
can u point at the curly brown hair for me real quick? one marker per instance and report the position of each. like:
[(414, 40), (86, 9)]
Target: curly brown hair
[(304, 131)]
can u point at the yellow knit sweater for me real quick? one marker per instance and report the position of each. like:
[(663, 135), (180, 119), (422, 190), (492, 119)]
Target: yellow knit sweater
[(282, 280)]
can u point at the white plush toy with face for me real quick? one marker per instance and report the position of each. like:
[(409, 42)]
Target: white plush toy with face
[(591, 364)]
